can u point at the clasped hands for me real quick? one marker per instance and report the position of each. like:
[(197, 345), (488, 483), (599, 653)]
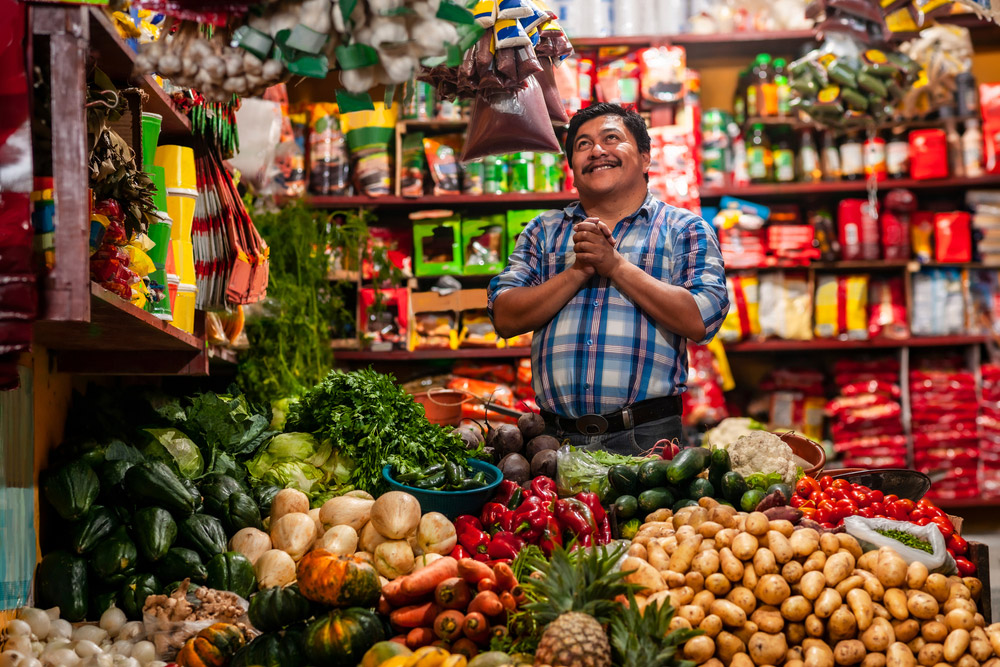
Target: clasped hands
[(595, 248)]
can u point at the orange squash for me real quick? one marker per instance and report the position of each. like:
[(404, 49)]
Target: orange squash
[(212, 647), (338, 581)]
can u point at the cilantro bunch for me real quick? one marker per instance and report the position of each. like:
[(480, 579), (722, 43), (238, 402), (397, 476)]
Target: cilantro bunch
[(370, 419)]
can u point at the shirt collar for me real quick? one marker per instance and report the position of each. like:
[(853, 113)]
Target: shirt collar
[(575, 210)]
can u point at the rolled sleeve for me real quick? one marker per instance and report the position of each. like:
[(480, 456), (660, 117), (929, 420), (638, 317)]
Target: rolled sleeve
[(522, 268), (700, 269)]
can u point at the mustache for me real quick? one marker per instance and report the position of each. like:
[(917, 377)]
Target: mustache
[(591, 167)]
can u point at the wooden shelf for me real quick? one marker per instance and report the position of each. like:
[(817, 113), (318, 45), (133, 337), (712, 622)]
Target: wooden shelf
[(117, 60), (778, 190), (856, 345), (121, 339), (733, 44), (526, 199), (967, 503), (426, 355), (222, 355)]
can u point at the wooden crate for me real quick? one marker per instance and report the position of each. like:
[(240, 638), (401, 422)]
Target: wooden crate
[(979, 554)]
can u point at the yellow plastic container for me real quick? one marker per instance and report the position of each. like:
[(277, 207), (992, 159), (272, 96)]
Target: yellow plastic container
[(178, 166), (184, 307), (180, 208), (172, 283), (184, 261)]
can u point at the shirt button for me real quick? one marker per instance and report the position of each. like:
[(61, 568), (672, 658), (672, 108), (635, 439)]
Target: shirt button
[(590, 341), (597, 303), (586, 386)]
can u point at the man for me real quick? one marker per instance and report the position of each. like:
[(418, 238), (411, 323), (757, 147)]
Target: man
[(612, 287)]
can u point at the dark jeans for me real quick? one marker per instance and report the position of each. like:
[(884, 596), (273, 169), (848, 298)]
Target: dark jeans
[(633, 442)]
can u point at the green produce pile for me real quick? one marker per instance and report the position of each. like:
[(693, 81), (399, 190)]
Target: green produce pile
[(908, 539), (447, 476), (369, 419)]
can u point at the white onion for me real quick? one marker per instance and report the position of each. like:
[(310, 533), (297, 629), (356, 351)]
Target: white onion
[(60, 629), (122, 661), (20, 644), (144, 652), (122, 648), (38, 620), (90, 633), (99, 660), (112, 620), (62, 657), (86, 648), (52, 613), (18, 628), (11, 658), (131, 631)]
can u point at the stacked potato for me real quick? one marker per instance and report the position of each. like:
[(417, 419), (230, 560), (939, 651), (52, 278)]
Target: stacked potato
[(766, 593)]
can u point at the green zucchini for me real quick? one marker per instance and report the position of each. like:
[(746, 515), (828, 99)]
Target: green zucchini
[(718, 466), (88, 532), (688, 464), (231, 571), (626, 507), (624, 479), (61, 581), (155, 483), (733, 486), (114, 559), (181, 563), (72, 489), (204, 534), (699, 488), (682, 503), (134, 592), (155, 532), (651, 500), (653, 474)]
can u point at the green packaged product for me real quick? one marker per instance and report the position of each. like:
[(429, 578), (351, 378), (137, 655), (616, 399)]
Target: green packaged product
[(495, 175), (548, 172)]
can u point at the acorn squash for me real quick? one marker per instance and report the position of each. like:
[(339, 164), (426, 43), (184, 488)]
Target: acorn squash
[(340, 638), (214, 646), (338, 581), (276, 608)]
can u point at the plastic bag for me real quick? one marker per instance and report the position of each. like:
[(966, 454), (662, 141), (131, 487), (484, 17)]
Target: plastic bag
[(864, 531), (508, 122), (576, 471), (169, 636), (550, 91)]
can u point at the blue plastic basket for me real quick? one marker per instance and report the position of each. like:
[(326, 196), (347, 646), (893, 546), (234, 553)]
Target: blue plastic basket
[(452, 503)]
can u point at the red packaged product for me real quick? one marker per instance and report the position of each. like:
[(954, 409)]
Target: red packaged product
[(953, 237), (887, 309), (858, 231), (928, 154), (989, 104)]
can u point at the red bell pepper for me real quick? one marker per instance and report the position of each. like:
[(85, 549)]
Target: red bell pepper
[(509, 494), (576, 517), (459, 552), (467, 520), (603, 533), (551, 536), (473, 539), (544, 488), (496, 517), (529, 520), (505, 545)]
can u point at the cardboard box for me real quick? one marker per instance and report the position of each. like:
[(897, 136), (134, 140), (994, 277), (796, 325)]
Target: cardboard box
[(437, 246), (483, 240)]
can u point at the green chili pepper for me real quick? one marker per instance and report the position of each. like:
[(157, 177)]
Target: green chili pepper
[(477, 481), (412, 476), (454, 473), (432, 482)]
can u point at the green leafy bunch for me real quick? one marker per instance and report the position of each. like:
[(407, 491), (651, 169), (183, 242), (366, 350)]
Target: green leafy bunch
[(641, 638), (369, 418)]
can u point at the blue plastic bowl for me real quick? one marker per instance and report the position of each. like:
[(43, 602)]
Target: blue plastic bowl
[(452, 503)]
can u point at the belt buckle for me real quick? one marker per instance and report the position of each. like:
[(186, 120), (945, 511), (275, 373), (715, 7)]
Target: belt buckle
[(592, 425)]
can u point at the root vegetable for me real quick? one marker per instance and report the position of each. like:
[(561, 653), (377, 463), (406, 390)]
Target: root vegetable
[(899, 655), (842, 625), (768, 619), (922, 606), (827, 603), (930, 654), (436, 534), (772, 589), (293, 533), (767, 649), (861, 605), (895, 602), (699, 649), (878, 636), (394, 558), (743, 598), (956, 644), (274, 568), (891, 568), (730, 613), (849, 652), (395, 515), (796, 608)]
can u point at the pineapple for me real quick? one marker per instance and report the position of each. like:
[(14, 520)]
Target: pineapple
[(573, 602), (643, 638)]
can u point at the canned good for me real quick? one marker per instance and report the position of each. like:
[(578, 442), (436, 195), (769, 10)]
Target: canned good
[(548, 172), (495, 175), (522, 172)]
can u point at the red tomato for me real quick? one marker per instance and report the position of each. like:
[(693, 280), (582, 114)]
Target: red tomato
[(923, 521), (906, 504), (796, 501), (806, 487), (876, 496), (841, 484), (932, 511), (866, 512), (827, 525), (891, 498), (897, 511), (825, 515), (944, 525), (965, 566), (917, 514), (825, 482), (958, 545), (878, 509), (840, 494), (860, 498), (846, 508)]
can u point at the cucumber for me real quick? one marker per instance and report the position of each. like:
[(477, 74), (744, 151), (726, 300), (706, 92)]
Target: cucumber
[(750, 500), (626, 507), (653, 474), (699, 488), (688, 464), (651, 500), (684, 502), (718, 467), (733, 486), (624, 479)]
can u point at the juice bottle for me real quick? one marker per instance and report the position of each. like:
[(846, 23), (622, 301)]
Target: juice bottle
[(760, 160), (740, 98), (784, 157), (783, 89), (830, 158), (759, 78), (809, 162)]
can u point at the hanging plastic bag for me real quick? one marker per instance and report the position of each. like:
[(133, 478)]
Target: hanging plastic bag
[(553, 100), (509, 122), (870, 535)]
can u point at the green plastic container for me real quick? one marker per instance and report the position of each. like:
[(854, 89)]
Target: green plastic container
[(159, 177), (150, 137), (159, 233)]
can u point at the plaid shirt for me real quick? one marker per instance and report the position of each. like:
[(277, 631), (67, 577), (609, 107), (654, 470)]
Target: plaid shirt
[(601, 353)]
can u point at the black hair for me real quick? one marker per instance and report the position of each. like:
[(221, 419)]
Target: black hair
[(634, 123)]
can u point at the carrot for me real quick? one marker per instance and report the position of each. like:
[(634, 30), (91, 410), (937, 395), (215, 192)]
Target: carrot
[(486, 603), (476, 627), (498, 631), (486, 584), (394, 595), (424, 581), (415, 616), (519, 595), (399, 639), (473, 571), (448, 624), (453, 593), (505, 576), (384, 607), (465, 647), (418, 637), (442, 644), (508, 601)]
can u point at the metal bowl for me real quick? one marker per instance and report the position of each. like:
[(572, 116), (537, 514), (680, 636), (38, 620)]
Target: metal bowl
[(900, 481)]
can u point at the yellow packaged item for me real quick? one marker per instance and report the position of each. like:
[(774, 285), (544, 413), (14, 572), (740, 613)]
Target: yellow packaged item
[(842, 307), (785, 306), (368, 135), (139, 261), (743, 321), (477, 330)]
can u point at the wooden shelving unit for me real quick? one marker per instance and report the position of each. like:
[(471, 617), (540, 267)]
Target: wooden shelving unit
[(779, 190), (428, 355), (818, 344), (514, 199), (735, 44)]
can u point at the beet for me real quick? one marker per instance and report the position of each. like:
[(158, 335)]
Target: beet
[(538, 444), (531, 425), (543, 464), (490, 454), (471, 434), (515, 468), (505, 439)]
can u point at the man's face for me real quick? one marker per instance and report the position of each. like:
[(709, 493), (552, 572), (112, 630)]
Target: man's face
[(606, 158)]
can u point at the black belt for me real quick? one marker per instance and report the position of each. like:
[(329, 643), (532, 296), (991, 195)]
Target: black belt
[(625, 419)]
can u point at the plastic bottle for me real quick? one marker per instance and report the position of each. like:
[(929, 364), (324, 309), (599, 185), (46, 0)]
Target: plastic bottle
[(740, 99), (875, 158), (972, 149), (784, 158), (830, 158), (760, 159), (809, 163), (759, 78), (715, 151), (767, 99), (966, 95), (782, 88), (956, 161), (852, 159), (741, 175), (897, 154)]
